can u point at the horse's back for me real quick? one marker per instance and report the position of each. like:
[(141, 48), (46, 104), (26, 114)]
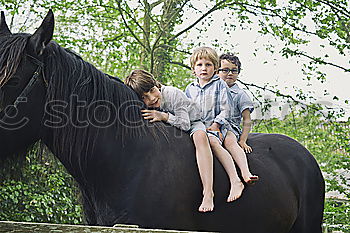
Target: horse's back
[(288, 197), (290, 175), (163, 187)]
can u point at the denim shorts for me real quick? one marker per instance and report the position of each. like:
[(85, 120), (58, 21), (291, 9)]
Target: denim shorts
[(195, 126), (234, 130)]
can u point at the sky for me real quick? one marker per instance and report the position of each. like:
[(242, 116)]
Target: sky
[(273, 69)]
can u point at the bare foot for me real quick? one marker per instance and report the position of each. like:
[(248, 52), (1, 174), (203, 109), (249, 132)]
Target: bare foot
[(236, 191), (207, 203)]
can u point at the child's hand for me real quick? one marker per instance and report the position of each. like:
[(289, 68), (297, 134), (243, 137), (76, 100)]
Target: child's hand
[(247, 149), (154, 115), (214, 127)]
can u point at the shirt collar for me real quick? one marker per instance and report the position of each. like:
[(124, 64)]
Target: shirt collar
[(213, 79), (235, 88)]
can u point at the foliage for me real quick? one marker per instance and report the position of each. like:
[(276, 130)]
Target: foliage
[(121, 35), (337, 215), (43, 192), (118, 36)]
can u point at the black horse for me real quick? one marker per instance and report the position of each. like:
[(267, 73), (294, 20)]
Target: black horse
[(133, 172)]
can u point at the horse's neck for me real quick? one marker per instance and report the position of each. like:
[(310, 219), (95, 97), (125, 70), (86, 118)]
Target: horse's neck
[(76, 145)]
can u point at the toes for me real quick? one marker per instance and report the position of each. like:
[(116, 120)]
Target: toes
[(203, 210), (231, 199)]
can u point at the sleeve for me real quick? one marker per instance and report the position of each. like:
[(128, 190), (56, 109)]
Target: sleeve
[(180, 118), (245, 102), (223, 102), (187, 91)]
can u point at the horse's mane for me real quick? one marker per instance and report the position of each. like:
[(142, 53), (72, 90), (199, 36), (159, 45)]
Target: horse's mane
[(69, 75), (11, 51)]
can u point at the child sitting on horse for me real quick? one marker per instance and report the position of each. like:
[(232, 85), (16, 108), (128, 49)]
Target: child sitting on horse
[(241, 106), (179, 111), (212, 94)]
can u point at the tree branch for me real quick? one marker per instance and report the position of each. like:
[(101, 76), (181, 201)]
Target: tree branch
[(180, 64), (336, 7), (154, 4), (155, 45), (214, 8), (148, 12), (275, 13), (128, 27), (277, 93), (178, 50), (133, 19), (320, 61)]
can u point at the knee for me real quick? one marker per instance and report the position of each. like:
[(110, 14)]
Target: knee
[(214, 142), (200, 137), (230, 140)]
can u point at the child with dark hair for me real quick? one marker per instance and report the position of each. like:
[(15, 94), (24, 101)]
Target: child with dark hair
[(241, 106), (181, 112)]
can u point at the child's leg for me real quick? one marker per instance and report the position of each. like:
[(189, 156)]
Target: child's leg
[(237, 153), (205, 167), (229, 166)]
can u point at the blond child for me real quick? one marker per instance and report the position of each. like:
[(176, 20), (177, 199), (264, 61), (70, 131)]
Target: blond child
[(241, 106), (179, 111), (211, 93)]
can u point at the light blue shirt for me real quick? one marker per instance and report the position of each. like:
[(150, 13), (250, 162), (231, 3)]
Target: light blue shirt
[(239, 102), (212, 99)]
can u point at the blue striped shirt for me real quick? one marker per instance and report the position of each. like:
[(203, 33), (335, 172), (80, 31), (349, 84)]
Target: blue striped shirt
[(239, 102), (213, 100)]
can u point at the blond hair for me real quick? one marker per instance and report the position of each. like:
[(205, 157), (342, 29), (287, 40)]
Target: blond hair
[(141, 81), (206, 53)]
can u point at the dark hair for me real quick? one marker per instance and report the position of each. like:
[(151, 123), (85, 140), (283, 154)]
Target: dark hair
[(141, 81), (231, 58)]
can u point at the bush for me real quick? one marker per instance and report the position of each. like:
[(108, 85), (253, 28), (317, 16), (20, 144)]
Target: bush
[(43, 192)]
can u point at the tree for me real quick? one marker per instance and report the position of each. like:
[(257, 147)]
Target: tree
[(118, 36), (154, 30)]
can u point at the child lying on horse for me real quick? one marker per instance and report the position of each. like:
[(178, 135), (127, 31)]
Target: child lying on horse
[(179, 111)]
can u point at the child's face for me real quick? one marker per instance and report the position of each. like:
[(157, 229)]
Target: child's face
[(226, 73), (152, 98), (204, 69)]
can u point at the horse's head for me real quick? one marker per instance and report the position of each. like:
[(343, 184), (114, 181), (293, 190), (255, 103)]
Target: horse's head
[(22, 85)]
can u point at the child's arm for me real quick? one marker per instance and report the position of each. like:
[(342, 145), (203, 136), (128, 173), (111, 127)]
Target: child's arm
[(179, 119), (247, 123)]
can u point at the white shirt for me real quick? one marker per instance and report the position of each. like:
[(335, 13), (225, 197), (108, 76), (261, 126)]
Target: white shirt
[(182, 111)]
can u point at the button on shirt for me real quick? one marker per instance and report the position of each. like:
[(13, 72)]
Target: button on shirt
[(182, 111), (240, 101), (212, 99)]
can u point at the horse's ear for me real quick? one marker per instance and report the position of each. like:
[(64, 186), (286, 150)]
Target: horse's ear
[(43, 35), (4, 29)]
